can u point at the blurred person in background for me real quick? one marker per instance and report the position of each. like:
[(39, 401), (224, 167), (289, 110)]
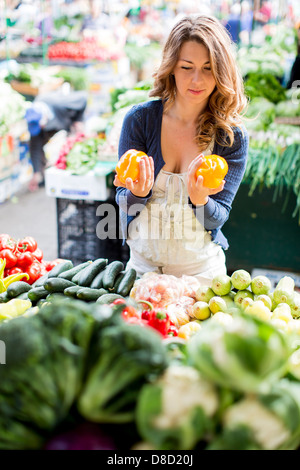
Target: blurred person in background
[(246, 22), (264, 14), (48, 114), (294, 80), (233, 22)]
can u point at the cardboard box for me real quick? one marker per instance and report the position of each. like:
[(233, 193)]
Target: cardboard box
[(94, 185)]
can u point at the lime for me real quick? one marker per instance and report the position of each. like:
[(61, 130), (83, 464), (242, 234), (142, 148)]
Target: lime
[(240, 279), (221, 285), (204, 293), (201, 310), (217, 304), (242, 294), (260, 285)]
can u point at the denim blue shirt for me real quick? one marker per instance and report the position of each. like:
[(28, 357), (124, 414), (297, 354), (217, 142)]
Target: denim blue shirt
[(141, 130)]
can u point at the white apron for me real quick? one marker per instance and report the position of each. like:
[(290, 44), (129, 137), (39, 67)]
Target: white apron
[(167, 238)]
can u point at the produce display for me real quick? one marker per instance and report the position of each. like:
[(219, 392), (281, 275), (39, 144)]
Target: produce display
[(85, 50), (232, 383), (21, 259)]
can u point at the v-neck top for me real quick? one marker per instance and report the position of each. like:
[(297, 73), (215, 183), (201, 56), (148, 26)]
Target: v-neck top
[(141, 130)]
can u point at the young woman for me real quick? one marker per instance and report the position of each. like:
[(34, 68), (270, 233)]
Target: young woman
[(170, 220)]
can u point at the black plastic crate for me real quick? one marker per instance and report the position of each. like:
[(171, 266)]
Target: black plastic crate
[(81, 232)]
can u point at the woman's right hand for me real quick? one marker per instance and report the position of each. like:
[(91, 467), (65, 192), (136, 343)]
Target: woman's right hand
[(144, 184)]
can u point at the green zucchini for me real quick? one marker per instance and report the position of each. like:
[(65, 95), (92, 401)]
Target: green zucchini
[(72, 291), (111, 272), (76, 269), (56, 295), (88, 274), (117, 281), (16, 288), (37, 293), (60, 268), (87, 293), (97, 281), (23, 296), (56, 284), (126, 283), (108, 298)]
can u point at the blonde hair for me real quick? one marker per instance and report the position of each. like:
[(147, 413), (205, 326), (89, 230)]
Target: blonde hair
[(228, 100)]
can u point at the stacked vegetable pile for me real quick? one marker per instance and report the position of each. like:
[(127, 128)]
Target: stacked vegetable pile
[(13, 109), (81, 51), (91, 281), (71, 364)]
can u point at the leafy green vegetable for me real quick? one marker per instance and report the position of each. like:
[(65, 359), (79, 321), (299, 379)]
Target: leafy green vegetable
[(243, 355), (264, 85), (45, 360), (122, 359), (84, 155)]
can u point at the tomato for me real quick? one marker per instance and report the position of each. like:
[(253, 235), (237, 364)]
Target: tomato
[(51, 264), (7, 242), (118, 302), (27, 244), (38, 254), (35, 271), (25, 259), (137, 321), (9, 255), (15, 270), (129, 312)]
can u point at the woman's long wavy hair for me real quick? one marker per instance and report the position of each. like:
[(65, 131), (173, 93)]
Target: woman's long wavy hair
[(228, 100)]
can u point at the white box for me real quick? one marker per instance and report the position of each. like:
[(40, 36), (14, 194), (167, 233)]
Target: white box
[(92, 185)]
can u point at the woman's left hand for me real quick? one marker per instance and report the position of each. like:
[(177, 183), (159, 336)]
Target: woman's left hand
[(197, 192)]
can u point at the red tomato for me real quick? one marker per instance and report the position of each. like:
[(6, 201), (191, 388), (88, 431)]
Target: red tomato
[(137, 321), (15, 270), (38, 254), (51, 264), (129, 312), (118, 301), (27, 244), (35, 271), (25, 259), (6, 242), (11, 258)]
